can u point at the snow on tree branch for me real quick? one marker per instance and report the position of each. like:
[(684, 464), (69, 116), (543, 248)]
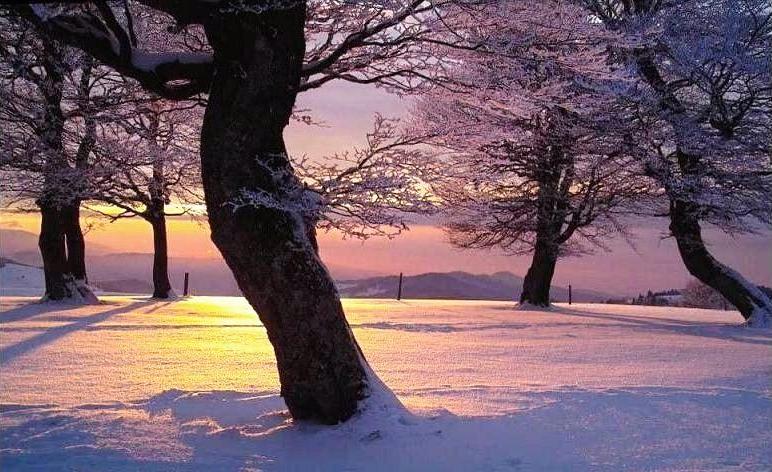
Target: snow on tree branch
[(538, 151), (369, 191)]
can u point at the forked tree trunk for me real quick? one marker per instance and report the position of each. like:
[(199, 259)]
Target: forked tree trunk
[(54, 252), (61, 242), (752, 303), (270, 249), (63, 250), (162, 288), (538, 279)]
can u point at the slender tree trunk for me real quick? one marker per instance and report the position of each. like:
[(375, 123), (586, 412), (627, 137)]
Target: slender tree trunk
[(161, 286), (270, 249), (156, 216), (76, 245), (752, 303), (53, 250), (538, 279)]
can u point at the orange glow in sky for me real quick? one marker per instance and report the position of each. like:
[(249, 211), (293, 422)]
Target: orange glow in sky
[(654, 264)]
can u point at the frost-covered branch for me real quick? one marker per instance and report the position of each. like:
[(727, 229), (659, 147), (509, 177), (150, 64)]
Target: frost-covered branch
[(538, 153), (368, 191)]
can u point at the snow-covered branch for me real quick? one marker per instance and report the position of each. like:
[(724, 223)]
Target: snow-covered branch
[(368, 191)]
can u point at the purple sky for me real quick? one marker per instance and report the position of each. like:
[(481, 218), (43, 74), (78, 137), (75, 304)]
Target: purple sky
[(654, 262)]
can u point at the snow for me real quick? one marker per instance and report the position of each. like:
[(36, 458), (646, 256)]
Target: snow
[(19, 279), (138, 384), (25, 280)]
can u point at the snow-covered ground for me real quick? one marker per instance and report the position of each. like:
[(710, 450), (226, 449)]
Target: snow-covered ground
[(21, 279), (134, 384)]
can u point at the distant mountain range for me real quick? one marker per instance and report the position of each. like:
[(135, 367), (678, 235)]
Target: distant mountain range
[(131, 272), (208, 276), (457, 286)]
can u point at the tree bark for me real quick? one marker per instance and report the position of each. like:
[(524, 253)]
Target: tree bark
[(538, 279), (752, 303), (76, 245), (63, 250), (53, 251), (270, 248), (555, 177), (162, 288)]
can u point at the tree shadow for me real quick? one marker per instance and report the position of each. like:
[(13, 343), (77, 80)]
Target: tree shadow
[(65, 440), (438, 327), (729, 332), (570, 429), (160, 303), (9, 353), (642, 428), (138, 327), (37, 308)]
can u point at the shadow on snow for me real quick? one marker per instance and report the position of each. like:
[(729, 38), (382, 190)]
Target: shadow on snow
[(612, 429), (729, 332), (49, 312)]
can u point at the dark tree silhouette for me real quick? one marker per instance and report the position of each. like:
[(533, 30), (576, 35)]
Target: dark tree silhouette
[(252, 66)]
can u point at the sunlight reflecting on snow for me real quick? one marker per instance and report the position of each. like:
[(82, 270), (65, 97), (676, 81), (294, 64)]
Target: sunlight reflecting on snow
[(191, 385), (470, 357)]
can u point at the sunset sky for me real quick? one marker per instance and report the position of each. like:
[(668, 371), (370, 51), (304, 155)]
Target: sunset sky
[(347, 113)]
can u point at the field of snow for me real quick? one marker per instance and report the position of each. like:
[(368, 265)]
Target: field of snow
[(20, 279), (133, 384)]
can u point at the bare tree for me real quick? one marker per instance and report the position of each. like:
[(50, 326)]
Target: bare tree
[(707, 102), (48, 131), (537, 159), (253, 67), (151, 156), (374, 190)]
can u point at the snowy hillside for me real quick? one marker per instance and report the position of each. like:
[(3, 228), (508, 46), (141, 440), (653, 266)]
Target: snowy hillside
[(26, 280), (192, 385), (20, 279)]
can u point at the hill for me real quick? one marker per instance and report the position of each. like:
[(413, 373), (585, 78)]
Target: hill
[(455, 285), (20, 279)]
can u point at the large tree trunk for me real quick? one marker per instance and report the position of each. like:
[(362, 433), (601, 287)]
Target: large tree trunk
[(76, 245), (752, 303), (555, 177), (52, 237), (161, 286), (538, 279), (63, 251), (268, 246), (54, 252)]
